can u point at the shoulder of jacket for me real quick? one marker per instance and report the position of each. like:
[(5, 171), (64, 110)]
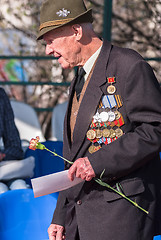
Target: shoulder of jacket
[(130, 54)]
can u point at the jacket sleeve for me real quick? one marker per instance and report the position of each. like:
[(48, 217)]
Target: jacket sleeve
[(142, 101), (60, 210)]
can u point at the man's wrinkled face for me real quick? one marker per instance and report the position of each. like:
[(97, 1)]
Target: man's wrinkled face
[(61, 43)]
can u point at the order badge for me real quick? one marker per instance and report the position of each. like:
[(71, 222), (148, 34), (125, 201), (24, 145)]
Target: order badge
[(111, 88), (111, 116), (104, 116)]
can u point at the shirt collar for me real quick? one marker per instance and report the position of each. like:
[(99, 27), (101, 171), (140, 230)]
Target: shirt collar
[(89, 64)]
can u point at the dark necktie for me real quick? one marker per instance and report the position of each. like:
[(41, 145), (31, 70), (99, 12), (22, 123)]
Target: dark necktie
[(80, 82)]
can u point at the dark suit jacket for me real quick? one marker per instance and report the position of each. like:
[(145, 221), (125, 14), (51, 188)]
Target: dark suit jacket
[(133, 159)]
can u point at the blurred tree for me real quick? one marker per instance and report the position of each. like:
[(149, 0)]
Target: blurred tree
[(137, 26)]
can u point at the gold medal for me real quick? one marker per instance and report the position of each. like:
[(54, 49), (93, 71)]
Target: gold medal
[(118, 132), (111, 89), (91, 134), (96, 148), (91, 149), (112, 133), (117, 115), (98, 133), (106, 132)]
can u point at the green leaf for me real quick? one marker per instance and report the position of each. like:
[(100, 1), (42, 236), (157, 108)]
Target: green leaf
[(102, 174)]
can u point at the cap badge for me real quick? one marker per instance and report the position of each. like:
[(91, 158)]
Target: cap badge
[(63, 12)]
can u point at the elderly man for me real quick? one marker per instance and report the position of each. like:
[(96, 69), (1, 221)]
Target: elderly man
[(112, 123)]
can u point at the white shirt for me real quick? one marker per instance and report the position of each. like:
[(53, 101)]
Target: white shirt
[(90, 62)]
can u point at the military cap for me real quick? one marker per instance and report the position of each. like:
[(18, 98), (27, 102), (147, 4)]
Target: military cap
[(57, 13)]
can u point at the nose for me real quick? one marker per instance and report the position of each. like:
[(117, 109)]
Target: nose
[(48, 50)]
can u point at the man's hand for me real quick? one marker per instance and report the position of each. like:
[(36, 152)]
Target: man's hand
[(56, 232), (81, 168)]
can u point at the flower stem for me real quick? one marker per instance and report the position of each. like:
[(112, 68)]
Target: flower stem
[(57, 155), (99, 181)]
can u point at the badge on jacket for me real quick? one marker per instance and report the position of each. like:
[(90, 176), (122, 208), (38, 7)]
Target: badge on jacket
[(107, 121)]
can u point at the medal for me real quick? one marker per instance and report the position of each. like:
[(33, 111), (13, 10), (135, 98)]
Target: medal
[(111, 116), (98, 133), (118, 132), (112, 133), (104, 116), (96, 148), (117, 114), (118, 100), (120, 122), (103, 140), (96, 117), (100, 141), (111, 89), (109, 101), (107, 116), (117, 122), (91, 134), (106, 132), (91, 149)]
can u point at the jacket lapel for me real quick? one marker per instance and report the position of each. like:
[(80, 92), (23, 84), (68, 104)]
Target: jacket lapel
[(67, 136)]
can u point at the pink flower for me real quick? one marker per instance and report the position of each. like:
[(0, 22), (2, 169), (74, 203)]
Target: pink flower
[(34, 143)]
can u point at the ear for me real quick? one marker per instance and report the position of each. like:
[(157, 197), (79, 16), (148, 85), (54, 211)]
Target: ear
[(77, 30)]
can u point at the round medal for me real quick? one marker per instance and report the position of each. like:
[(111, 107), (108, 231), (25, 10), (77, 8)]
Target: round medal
[(106, 132), (98, 133), (112, 133), (117, 114), (118, 132), (91, 149), (104, 116), (111, 116), (111, 89), (91, 134)]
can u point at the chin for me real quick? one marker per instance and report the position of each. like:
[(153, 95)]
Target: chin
[(64, 65)]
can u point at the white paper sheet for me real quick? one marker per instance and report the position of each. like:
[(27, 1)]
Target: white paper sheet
[(51, 183)]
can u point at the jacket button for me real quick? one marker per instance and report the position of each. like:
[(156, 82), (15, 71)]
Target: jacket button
[(79, 202)]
